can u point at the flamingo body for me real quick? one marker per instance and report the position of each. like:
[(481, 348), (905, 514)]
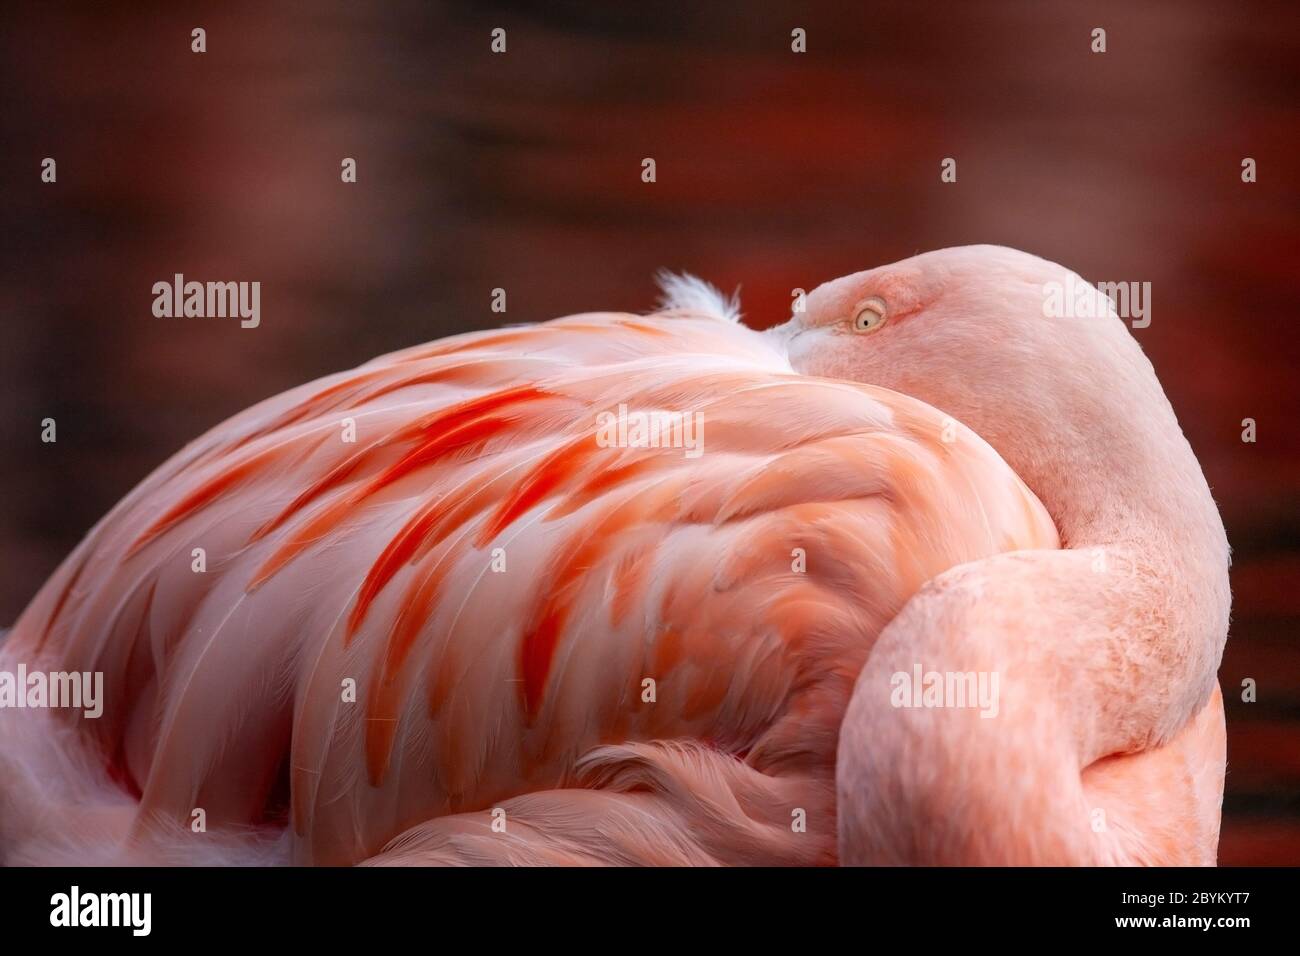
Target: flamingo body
[(419, 612), (372, 560)]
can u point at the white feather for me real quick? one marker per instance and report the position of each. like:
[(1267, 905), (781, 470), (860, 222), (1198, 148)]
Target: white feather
[(692, 294)]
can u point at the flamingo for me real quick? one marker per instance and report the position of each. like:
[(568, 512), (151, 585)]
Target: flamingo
[(416, 613)]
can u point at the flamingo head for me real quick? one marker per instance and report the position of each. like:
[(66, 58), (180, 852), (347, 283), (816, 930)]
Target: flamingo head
[(967, 331)]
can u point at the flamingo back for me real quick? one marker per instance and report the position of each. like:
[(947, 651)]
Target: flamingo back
[(435, 582)]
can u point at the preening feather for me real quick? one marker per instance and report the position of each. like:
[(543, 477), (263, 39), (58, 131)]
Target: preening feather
[(692, 294)]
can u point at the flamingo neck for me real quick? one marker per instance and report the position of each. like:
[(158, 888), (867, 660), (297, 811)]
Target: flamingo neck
[(1109, 646), (1117, 475)]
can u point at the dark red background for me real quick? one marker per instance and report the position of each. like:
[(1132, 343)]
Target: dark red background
[(775, 170)]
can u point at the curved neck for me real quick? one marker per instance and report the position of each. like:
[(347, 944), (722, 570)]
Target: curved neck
[(1107, 647), (1114, 470)]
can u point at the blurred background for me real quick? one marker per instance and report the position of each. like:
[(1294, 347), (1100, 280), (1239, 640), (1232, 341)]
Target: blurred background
[(775, 170)]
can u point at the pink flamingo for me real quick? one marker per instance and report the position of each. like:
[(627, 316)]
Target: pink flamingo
[(420, 612)]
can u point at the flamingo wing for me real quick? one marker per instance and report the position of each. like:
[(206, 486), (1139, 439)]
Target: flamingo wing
[(402, 596)]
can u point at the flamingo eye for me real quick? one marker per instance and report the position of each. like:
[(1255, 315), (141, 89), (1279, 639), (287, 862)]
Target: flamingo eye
[(870, 315)]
